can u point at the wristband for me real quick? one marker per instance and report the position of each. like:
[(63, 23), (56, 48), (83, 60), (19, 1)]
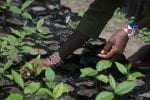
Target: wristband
[(55, 59), (130, 28)]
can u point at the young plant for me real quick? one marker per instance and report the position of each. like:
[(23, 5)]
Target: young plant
[(13, 45), (118, 88), (51, 89), (9, 7)]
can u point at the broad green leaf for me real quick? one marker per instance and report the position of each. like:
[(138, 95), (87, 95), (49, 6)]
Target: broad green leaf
[(37, 61), (49, 74), (15, 96), (16, 32), (29, 66), (124, 87), (112, 82), (26, 15), (102, 78), (3, 44), (8, 64), (105, 95), (10, 39), (39, 24), (29, 30), (38, 71), (12, 51), (129, 67), (15, 9), (88, 72), (26, 49), (50, 85), (1, 71), (44, 91), (17, 78), (9, 76), (103, 64), (135, 75), (32, 88), (26, 4), (58, 91), (121, 68), (8, 2)]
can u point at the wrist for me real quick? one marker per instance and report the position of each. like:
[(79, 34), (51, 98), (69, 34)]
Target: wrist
[(130, 29)]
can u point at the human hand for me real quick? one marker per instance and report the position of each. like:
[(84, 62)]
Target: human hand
[(115, 45)]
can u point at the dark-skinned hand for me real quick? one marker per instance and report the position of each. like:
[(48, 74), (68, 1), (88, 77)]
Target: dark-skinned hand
[(115, 45)]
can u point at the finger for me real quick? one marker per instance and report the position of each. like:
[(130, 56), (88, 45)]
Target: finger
[(109, 54), (106, 48)]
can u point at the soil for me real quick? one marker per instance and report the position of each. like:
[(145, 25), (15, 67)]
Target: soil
[(69, 73)]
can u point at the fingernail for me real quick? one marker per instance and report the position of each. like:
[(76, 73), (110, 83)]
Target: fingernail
[(102, 51)]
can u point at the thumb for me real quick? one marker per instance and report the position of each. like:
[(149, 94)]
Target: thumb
[(106, 48)]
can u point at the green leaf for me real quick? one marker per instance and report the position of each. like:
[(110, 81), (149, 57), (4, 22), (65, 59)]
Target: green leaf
[(32, 88), (88, 72), (26, 4), (1, 71), (49, 74), (58, 91), (26, 15), (50, 85), (8, 1), (103, 64), (102, 78), (12, 51), (44, 91), (121, 68), (9, 76), (129, 67), (8, 64), (37, 61), (26, 49), (15, 10), (29, 66), (10, 39), (38, 71), (39, 24), (3, 44), (17, 78), (124, 87), (112, 82), (29, 30), (15, 96), (16, 32), (105, 95), (135, 75)]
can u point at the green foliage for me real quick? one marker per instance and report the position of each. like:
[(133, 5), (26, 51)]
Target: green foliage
[(102, 78), (144, 35), (17, 78), (112, 82), (104, 64), (121, 68), (105, 95), (32, 88), (15, 96), (118, 88), (49, 74), (124, 87), (88, 72)]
